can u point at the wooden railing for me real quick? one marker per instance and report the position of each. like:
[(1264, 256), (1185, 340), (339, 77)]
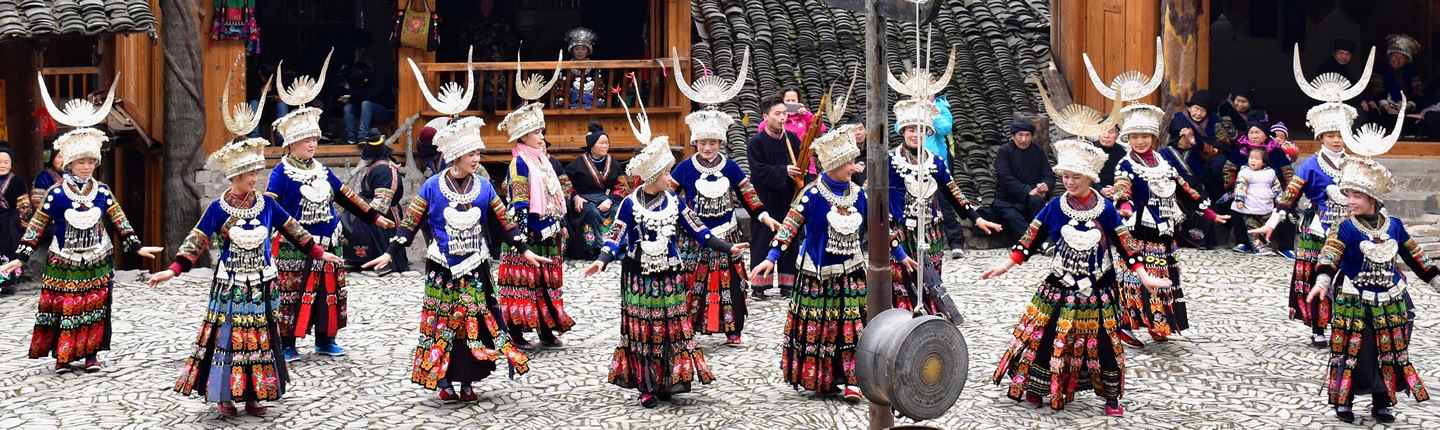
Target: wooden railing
[(495, 85), (566, 118), (67, 83)]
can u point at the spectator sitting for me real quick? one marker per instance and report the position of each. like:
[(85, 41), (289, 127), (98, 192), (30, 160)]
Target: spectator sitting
[(1339, 61), (1392, 78), (600, 185), (1022, 179), (367, 98)]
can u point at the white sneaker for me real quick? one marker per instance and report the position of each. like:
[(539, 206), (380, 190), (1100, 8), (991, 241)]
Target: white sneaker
[(957, 253)]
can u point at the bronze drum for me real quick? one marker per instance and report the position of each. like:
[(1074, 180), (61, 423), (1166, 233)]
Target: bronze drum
[(916, 365)]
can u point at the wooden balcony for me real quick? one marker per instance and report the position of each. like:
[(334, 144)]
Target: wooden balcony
[(566, 126), (67, 83)]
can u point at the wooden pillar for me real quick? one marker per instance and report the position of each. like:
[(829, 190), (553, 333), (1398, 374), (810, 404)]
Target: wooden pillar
[(409, 100), (1181, 35), (22, 97), (877, 269)]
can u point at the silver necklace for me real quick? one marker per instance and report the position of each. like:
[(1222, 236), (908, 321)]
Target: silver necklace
[(456, 197), (246, 213), (85, 196)]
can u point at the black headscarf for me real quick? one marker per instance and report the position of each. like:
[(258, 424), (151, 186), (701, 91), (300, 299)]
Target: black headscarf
[(596, 130)]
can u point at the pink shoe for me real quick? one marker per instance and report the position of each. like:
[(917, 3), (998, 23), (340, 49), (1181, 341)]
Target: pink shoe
[(852, 393), (1112, 408), (1034, 399)]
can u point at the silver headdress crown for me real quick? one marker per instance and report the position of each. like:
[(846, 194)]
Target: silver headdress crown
[(1134, 84), (836, 147), (240, 156), (710, 90), (304, 88), (84, 141), (1140, 118), (656, 157), (1079, 156), (460, 137), (916, 111), (452, 99), (580, 36), (240, 119), (1332, 87), (1078, 119), (1402, 44)]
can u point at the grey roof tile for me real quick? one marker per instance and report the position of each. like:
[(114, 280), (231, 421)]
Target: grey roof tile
[(50, 18)]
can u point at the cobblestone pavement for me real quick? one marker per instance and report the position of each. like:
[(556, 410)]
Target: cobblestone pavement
[(1242, 365)]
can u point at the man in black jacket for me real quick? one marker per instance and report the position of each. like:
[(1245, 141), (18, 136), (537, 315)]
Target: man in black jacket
[(1022, 179)]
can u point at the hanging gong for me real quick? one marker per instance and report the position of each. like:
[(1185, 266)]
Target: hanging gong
[(916, 365)]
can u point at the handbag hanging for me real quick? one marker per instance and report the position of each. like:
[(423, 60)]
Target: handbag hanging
[(417, 29)]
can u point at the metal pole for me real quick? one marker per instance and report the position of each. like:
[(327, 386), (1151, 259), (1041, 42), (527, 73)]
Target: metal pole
[(877, 166)]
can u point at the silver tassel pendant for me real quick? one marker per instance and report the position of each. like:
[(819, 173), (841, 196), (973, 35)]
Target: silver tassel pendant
[(463, 241), (842, 243), (710, 207), (246, 261), (314, 212), (82, 239)]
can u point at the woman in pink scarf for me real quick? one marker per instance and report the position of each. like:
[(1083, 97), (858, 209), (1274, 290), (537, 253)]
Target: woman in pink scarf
[(530, 294)]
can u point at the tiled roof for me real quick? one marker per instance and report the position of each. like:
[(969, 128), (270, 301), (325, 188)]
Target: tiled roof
[(811, 46), (50, 18)]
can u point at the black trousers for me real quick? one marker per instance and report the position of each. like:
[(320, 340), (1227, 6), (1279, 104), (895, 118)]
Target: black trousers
[(1015, 217)]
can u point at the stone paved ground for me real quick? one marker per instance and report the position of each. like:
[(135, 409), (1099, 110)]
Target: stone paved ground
[(1241, 366)]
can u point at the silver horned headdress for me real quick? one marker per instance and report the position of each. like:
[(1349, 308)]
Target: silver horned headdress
[(1332, 87), (239, 118), (710, 90), (304, 88), (452, 99), (534, 86), (1134, 84), (1078, 119)]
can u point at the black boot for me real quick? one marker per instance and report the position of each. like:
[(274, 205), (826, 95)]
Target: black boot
[(1345, 414)]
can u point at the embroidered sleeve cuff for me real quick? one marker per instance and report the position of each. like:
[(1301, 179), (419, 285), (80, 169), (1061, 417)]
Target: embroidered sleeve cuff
[(898, 254), (24, 252), (1137, 266), (130, 243), (315, 251), (179, 266), (1209, 215), (718, 244)]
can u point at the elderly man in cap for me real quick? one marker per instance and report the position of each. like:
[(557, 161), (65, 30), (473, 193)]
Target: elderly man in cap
[(1022, 179), (1339, 60)]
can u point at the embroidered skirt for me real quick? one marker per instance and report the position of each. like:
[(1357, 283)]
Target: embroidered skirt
[(530, 296), (1368, 343), (236, 356), (824, 324), (1064, 340), (657, 352), (933, 259), (1307, 251), (461, 337), (73, 320), (717, 295), (312, 292), (1163, 310)]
